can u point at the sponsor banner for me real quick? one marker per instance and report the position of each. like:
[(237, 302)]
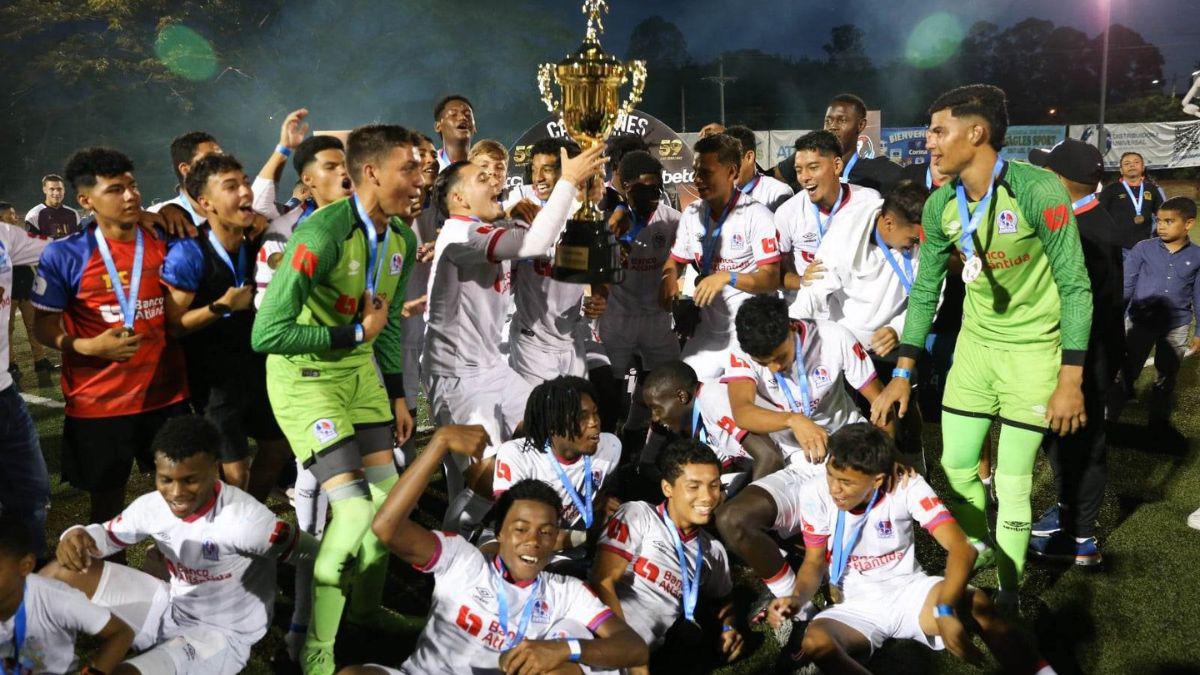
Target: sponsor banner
[(1162, 144), (783, 143), (905, 145), (1020, 139)]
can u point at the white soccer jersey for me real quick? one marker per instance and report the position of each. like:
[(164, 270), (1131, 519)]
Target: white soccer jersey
[(463, 632), (721, 433), (548, 311), (797, 225), (281, 224), (17, 247), (860, 289), (516, 461), (767, 191), (54, 614), (182, 202), (747, 241), (651, 590), (221, 558), (831, 354), (885, 548), (637, 294)]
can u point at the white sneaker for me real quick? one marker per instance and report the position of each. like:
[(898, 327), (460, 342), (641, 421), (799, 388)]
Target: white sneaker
[(1194, 520)]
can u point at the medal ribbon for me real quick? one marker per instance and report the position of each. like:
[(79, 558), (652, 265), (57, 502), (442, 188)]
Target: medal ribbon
[(187, 206), (822, 228), (748, 188), (802, 380), (582, 504), (1079, 204), (906, 275), (1137, 202), (239, 279), (968, 222), (127, 303), (690, 593), (498, 584), (929, 177), (849, 167), (714, 236), (841, 548), (638, 226), (372, 244), (698, 429), (18, 640)]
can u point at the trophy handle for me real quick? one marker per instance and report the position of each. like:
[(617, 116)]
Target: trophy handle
[(637, 69), (544, 76)]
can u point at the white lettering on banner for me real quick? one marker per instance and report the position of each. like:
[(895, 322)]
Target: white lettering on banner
[(678, 177), (556, 129), (632, 124)]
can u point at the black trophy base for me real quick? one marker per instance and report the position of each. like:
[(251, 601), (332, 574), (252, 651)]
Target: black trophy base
[(588, 253)]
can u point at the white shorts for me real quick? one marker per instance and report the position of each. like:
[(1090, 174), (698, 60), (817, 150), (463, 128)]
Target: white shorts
[(888, 610), (649, 336), (143, 602), (707, 352), (537, 362), (784, 488), (494, 398), (594, 349)]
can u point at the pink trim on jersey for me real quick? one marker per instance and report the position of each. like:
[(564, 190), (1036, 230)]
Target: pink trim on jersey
[(859, 510), (938, 520), (203, 510), (768, 261), (845, 200), (437, 553), (681, 261), (727, 380), (600, 619), (566, 462), (742, 433), (783, 572), (662, 507), (816, 540), (509, 577), (112, 537), (613, 549), (491, 247)]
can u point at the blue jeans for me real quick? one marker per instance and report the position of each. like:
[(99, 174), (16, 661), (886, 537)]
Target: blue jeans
[(24, 481)]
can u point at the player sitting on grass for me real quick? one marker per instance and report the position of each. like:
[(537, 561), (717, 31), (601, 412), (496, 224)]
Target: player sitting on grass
[(221, 546), (502, 613), (862, 537), (40, 617), (655, 559)]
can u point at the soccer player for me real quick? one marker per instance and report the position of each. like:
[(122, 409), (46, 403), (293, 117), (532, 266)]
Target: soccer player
[(502, 613), (1163, 293), (731, 242), (634, 325), (209, 306), (764, 189), (221, 548), (52, 218), (1133, 201), (454, 122), (100, 301), (787, 378), (681, 405), (331, 324), (185, 150), (40, 617), (1017, 219), (879, 590), (823, 204), (846, 118), (1067, 530), (654, 561), (424, 228), (22, 467)]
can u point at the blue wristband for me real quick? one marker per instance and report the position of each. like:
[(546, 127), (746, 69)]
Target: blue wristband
[(943, 610), (576, 650), (902, 372), (733, 279), (283, 150)]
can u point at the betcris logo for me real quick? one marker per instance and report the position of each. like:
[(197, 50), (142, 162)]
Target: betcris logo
[(678, 177)]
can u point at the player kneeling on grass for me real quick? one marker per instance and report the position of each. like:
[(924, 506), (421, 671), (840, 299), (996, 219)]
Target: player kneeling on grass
[(862, 537), (654, 560), (501, 614), (40, 617), (221, 546)]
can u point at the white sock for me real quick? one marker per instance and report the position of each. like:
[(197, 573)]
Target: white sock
[(465, 512), (312, 509), (783, 583)]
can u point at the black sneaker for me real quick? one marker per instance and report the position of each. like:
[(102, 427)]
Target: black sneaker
[(45, 366)]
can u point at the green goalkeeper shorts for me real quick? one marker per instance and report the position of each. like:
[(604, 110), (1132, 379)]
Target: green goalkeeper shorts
[(994, 382), (319, 407)]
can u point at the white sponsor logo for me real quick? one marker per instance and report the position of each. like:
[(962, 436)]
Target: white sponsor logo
[(147, 309), (353, 266), (1006, 222), (397, 264)]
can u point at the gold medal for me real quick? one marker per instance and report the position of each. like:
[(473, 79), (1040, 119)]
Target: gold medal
[(835, 594), (1139, 219)]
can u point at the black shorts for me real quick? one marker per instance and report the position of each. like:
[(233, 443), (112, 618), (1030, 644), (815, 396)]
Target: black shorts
[(238, 405), (22, 284), (97, 453)]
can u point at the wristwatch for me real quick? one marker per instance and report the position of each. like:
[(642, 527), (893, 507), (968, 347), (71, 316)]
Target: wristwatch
[(220, 309)]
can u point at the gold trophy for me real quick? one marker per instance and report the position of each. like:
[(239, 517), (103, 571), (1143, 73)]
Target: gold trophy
[(590, 81)]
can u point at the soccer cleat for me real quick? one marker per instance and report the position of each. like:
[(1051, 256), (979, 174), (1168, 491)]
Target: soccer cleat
[(1194, 520), (1063, 547), (388, 622), (45, 366), (1049, 523), (317, 659)]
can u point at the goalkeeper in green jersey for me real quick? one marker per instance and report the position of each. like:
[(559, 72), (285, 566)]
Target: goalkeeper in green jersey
[(331, 323), (1026, 317)]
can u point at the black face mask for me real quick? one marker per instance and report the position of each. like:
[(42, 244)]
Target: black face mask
[(642, 196)]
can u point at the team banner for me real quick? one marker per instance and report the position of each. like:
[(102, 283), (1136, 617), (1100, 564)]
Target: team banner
[(1162, 144), (905, 145), (1020, 139)]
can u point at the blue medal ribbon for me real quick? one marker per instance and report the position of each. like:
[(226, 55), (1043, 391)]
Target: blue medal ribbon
[(1137, 201), (714, 233), (805, 407), (310, 207), (128, 303), (929, 177), (969, 222), (239, 279), (373, 257), (849, 167), (822, 228), (582, 504), (18, 640), (748, 188), (906, 274), (1082, 202), (498, 585), (698, 429), (636, 229), (842, 548), (187, 206), (690, 580)]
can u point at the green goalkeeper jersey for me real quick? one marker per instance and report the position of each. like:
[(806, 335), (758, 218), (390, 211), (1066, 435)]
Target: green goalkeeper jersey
[(1033, 292), (312, 303)]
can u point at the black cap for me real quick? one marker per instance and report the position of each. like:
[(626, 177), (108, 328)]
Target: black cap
[(1072, 159)]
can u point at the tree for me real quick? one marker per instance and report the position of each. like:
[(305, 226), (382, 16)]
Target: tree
[(846, 48), (659, 43)]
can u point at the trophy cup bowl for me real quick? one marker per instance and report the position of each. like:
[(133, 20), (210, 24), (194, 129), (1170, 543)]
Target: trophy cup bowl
[(589, 82)]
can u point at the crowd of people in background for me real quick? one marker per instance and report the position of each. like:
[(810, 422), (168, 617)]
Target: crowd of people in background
[(744, 397)]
